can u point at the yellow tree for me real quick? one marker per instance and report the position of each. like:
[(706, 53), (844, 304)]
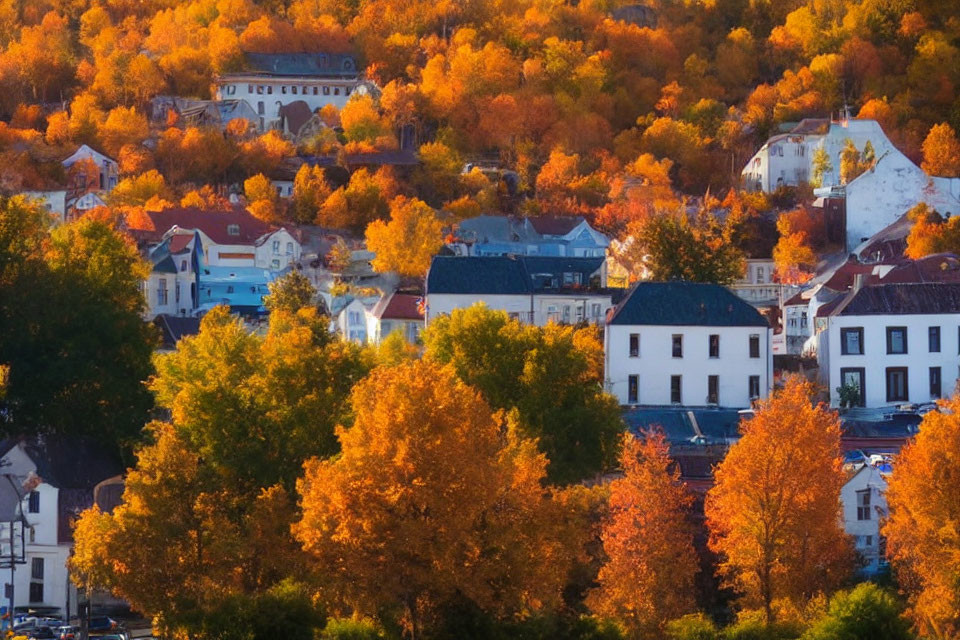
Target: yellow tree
[(408, 241), (774, 512), (941, 152), (429, 499), (923, 541), (262, 197), (648, 578)]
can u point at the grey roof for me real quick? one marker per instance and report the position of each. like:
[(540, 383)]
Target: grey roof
[(504, 274), (491, 228), (303, 64), (165, 265), (68, 462), (898, 299), (685, 304)]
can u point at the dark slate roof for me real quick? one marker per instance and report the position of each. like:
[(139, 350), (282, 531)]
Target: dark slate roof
[(505, 274), (172, 328), (555, 225), (718, 426), (490, 275), (685, 304), (165, 265), (918, 298), (68, 462), (303, 64)]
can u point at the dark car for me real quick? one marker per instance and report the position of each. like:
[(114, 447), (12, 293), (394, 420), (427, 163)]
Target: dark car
[(101, 624), (43, 633)]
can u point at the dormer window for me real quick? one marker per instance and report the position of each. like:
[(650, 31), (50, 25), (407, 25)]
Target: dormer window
[(233, 229)]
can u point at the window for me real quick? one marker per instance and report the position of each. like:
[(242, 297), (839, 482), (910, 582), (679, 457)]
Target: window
[(854, 377), (851, 341), (754, 387), (283, 89), (896, 339), (233, 229), (713, 389), (269, 90), (36, 568), (304, 90), (231, 90), (276, 247), (595, 310), (293, 90), (36, 592), (634, 345), (259, 89), (249, 88), (275, 264), (803, 319), (346, 91), (183, 265), (230, 288), (162, 292), (677, 346), (675, 396), (863, 505), (33, 502), (315, 91), (759, 275), (354, 317), (754, 346), (714, 346), (289, 248), (935, 390), (933, 339), (897, 384), (633, 389), (336, 91), (177, 293), (326, 91)]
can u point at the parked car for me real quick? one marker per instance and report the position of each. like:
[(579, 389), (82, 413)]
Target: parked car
[(102, 624), (68, 633), (43, 633)]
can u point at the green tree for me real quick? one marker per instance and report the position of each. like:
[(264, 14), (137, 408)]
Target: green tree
[(821, 167), (863, 613), (547, 375), (290, 293), (672, 247), (256, 407), (81, 370)]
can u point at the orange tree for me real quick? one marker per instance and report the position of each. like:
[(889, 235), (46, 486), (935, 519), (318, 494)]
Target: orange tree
[(430, 500), (651, 563), (774, 512), (922, 536), (408, 241)]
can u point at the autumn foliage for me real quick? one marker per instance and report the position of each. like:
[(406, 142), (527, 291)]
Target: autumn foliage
[(774, 513), (651, 563), (429, 499), (920, 530)]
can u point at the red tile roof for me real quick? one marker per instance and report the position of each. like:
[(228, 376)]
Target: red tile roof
[(179, 242), (398, 306), (555, 225), (213, 224)]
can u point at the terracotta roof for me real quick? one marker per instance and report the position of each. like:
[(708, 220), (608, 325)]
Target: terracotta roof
[(796, 299), (179, 242), (296, 113), (555, 225), (939, 267), (842, 279), (213, 223), (398, 306)]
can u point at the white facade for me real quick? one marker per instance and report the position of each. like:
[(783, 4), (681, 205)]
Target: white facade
[(54, 201), (742, 373), (107, 166), (43, 581), (873, 365), (864, 505), (757, 285), (169, 293), (892, 187), (277, 251), (356, 323), (783, 161), (538, 309), (266, 94)]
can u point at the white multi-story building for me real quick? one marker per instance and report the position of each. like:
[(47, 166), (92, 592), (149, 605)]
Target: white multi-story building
[(893, 343), (56, 481), (688, 344), (275, 80), (864, 505), (534, 290)]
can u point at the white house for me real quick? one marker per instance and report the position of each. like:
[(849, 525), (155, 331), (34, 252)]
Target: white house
[(232, 237), (54, 201), (757, 285), (893, 343), (356, 322), (109, 170), (564, 236), (397, 312), (534, 290), (688, 344), (275, 80), (864, 506), (785, 159), (56, 479)]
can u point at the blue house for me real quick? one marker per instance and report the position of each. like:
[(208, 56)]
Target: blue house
[(557, 236), (240, 288)]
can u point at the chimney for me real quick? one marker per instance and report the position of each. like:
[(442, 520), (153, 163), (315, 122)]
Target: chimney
[(858, 282)]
